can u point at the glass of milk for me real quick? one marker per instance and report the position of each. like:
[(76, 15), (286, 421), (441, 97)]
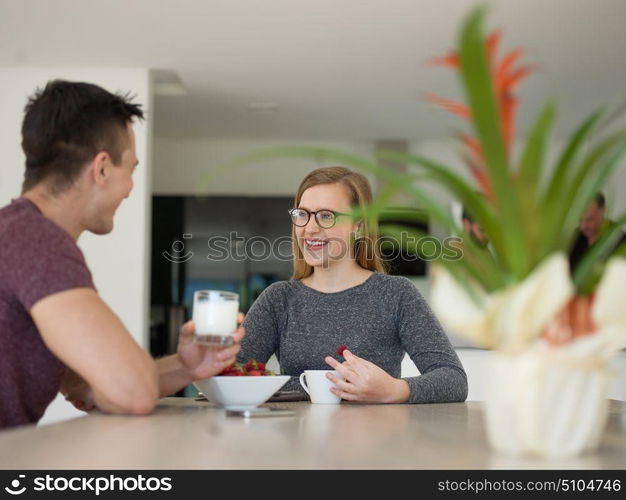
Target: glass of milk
[(215, 317)]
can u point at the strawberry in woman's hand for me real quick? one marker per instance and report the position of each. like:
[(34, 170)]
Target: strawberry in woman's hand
[(340, 350)]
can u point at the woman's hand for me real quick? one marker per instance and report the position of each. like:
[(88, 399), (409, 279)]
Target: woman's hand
[(364, 381), (203, 361)]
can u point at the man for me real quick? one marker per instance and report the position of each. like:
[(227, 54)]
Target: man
[(593, 224), (56, 333)]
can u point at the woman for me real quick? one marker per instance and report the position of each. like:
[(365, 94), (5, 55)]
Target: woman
[(340, 295)]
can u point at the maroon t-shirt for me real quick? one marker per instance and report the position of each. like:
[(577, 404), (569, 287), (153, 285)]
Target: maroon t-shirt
[(37, 259)]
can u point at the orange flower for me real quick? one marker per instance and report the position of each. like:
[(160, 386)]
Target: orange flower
[(505, 77), (573, 321)]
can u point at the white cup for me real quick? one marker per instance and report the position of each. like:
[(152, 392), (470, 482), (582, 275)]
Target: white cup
[(318, 386), (215, 317)]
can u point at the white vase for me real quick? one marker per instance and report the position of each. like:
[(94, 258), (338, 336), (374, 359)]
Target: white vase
[(546, 403)]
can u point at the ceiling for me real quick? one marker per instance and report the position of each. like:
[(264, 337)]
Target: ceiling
[(338, 69)]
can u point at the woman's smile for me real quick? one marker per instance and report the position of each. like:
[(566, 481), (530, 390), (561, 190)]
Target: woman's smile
[(315, 244)]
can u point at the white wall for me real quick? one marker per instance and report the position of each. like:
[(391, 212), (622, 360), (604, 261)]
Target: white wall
[(189, 166), (119, 261), (193, 166)]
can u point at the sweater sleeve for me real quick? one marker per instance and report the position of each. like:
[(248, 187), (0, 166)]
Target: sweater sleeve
[(263, 332), (261, 337), (442, 379)]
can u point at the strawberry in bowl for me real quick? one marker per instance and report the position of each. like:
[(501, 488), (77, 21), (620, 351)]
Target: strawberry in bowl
[(252, 368)]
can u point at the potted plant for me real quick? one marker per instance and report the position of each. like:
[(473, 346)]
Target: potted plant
[(552, 332)]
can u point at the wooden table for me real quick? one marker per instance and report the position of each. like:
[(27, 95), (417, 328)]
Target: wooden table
[(187, 434)]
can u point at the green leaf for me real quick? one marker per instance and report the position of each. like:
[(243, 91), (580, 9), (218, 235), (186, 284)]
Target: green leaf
[(529, 175), (531, 163), (476, 78), (558, 180), (478, 86), (383, 197), (553, 200)]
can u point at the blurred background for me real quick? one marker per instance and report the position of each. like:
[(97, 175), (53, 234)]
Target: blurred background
[(220, 79)]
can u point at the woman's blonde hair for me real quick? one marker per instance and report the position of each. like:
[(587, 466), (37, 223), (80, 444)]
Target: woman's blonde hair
[(366, 250)]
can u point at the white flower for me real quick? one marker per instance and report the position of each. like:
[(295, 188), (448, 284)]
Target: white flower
[(458, 312), (609, 306), (525, 309), (507, 319)]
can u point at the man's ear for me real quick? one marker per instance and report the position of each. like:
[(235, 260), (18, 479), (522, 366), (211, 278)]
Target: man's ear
[(99, 168)]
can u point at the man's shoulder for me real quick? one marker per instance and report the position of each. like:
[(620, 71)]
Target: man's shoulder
[(24, 226), (30, 238)]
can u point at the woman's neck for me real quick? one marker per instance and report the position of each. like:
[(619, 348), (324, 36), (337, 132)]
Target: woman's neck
[(337, 277)]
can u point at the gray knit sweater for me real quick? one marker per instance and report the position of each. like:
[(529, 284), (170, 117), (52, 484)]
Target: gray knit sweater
[(378, 320)]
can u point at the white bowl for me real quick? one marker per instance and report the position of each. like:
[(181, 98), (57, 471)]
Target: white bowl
[(240, 392)]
